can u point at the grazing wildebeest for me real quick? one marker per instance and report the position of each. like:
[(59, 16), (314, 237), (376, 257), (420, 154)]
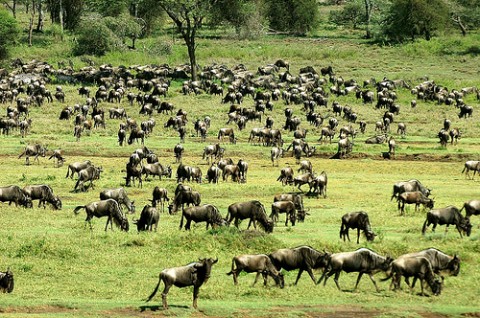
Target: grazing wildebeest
[(119, 195), (327, 132), (122, 135), (356, 220), (418, 267), (242, 170), (391, 145), (345, 146), (15, 194), (156, 169), (233, 171), (465, 111), (109, 208), (194, 274), (136, 134), (133, 172), (286, 176), (287, 207), (213, 173), (305, 166), (223, 132), (409, 186), (184, 197), (76, 167), (33, 151), (159, 195), (302, 179), (415, 197), (6, 281), (253, 210), (43, 193), (319, 184), (296, 198), (256, 263), (444, 137), (275, 154), (363, 261), (210, 151), (204, 213), (455, 134), (303, 258), (90, 173), (447, 216), (471, 165), (58, 155), (148, 219), (178, 150)]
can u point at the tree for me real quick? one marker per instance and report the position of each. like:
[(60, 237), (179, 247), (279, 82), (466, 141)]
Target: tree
[(246, 16), (94, 37), (293, 16), (352, 14), (124, 26), (411, 18), (67, 13), (188, 16), (465, 14), (9, 32)]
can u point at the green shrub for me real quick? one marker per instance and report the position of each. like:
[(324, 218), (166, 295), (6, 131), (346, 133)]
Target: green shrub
[(9, 32), (94, 38)]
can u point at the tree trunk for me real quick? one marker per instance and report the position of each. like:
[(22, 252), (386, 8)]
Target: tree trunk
[(460, 24), (40, 17), (368, 10), (60, 16), (30, 27), (189, 37), (14, 9)]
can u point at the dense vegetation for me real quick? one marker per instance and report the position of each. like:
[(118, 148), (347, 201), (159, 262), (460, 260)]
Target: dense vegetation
[(63, 269)]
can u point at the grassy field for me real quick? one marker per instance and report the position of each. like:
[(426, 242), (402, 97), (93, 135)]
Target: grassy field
[(63, 269)]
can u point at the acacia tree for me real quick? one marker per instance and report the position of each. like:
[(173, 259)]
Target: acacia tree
[(188, 16), (411, 18)]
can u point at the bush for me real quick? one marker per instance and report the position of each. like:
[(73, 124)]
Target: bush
[(94, 38), (9, 32)]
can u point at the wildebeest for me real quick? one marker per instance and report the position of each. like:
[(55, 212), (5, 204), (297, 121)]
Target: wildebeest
[(204, 213), (184, 197), (253, 210), (15, 194), (443, 137), (159, 195), (223, 132), (363, 261), (156, 169), (287, 207), (109, 208), (178, 150), (136, 134), (275, 154), (455, 134), (148, 219), (345, 146), (471, 165), (76, 167), (302, 179), (233, 171), (327, 132), (6, 281), (303, 258), (90, 173), (33, 151), (286, 176), (447, 216), (213, 173), (415, 197), (296, 198), (194, 274), (58, 155), (119, 195), (417, 267), (319, 184), (242, 169), (211, 151), (43, 193), (356, 220), (409, 186), (305, 166), (465, 111), (256, 263)]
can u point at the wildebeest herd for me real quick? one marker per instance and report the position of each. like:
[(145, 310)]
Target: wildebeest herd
[(308, 90)]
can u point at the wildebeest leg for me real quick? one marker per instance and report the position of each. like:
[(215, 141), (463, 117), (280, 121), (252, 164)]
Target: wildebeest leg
[(458, 229), (337, 275), (109, 220), (256, 279), (187, 225), (373, 281), (196, 290), (164, 295)]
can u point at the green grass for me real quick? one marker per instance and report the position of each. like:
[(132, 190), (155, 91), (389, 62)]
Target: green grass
[(63, 269)]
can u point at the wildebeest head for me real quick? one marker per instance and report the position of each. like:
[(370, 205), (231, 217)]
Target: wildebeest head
[(6, 281), (436, 286), (204, 267), (466, 226), (370, 235), (279, 280), (454, 265), (57, 203)]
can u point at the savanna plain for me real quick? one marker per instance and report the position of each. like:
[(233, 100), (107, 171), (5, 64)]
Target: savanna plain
[(63, 269)]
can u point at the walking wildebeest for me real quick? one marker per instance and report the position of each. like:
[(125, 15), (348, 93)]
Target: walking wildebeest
[(76, 167), (345, 147), (409, 186), (447, 216), (15, 194), (471, 165), (159, 195), (223, 132), (119, 195), (414, 197), (303, 258), (148, 219), (33, 150), (363, 261), (305, 166), (178, 150), (441, 262), (156, 169), (210, 151), (287, 207), (286, 176), (58, 155), (109, 208), (302, 179), (253, 210), (417, 267), (90, 173), (136, 134), (233, 171), (194, 274), (44, 194), (296, 198), (256, 263), (184, 197), (275, 154), (242, 169), (356, 220), (204, 213), (319, 184), (6, 281)]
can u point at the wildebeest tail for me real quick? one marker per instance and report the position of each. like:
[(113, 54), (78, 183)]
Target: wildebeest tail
[(424, 228), (156, 288), (78, 208), (233, 267), (342, 229), (21, 154)]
